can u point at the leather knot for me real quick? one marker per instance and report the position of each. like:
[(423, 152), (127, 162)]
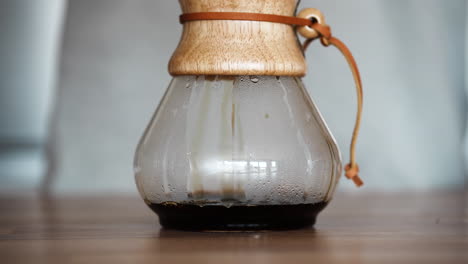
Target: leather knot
[(352, 173), (324, 32)]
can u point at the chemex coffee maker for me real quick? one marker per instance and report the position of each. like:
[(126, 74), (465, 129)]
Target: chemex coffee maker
[(237, 142)]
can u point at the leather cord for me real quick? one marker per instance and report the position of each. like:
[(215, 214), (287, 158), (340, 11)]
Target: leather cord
[(326, 38), (243, 16)]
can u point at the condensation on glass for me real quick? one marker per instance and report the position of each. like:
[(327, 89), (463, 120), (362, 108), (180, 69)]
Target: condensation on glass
[(237, 140)]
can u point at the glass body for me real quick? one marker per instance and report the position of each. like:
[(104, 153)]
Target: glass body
[(232, 142)]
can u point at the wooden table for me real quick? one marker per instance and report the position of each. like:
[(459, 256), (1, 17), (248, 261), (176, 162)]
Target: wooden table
[(357, 228)]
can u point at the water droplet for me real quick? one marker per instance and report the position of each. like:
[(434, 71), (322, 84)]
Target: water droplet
[(254, 79), (187, 85)]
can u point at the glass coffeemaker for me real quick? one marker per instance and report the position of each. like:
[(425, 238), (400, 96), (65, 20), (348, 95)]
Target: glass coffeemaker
[(236, 141)]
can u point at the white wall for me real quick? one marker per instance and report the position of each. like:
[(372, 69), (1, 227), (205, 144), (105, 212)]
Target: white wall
[(410, 53), (30, 35), (411, 57)]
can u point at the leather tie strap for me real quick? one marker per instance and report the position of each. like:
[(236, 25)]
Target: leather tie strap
[(323, 32), (243, 16)]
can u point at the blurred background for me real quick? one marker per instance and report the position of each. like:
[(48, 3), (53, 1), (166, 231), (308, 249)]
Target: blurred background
[(80, 80)]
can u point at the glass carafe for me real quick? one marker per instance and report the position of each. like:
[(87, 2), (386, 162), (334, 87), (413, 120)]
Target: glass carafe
[(236, 141), (237, 152)]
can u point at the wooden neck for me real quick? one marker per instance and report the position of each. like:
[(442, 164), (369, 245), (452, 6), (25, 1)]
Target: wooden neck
[(232, 47)]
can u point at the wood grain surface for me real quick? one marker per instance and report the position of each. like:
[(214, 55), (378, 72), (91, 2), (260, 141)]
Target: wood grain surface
[(357, 228), (232, 47)]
